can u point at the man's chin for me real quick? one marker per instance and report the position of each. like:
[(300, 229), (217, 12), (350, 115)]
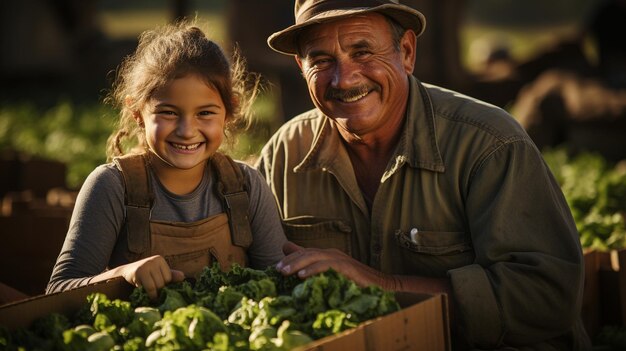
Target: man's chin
[(354, 122), (349, 130)]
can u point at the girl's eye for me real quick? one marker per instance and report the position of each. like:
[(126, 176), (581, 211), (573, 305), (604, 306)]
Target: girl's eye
[(167, 114), (206, 113)]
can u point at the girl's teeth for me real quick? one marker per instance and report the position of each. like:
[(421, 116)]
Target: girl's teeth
[(186, 147)]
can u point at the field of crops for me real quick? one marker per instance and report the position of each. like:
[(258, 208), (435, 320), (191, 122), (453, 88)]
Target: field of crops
[(76, 134), (596, 193)]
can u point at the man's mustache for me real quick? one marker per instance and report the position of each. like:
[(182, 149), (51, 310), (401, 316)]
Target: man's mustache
[(346, 94)]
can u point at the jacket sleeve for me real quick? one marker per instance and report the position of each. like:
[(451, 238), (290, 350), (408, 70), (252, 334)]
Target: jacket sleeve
[(526, 282)]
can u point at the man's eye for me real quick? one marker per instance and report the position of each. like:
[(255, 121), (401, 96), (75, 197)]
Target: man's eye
[(320, 62), (361, 53)]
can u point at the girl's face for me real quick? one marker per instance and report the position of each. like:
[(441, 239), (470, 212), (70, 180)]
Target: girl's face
[(184, 122)]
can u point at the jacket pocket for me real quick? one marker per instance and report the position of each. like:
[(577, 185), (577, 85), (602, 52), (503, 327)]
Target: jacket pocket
[(433, 243), (321, 233), (433, 253)]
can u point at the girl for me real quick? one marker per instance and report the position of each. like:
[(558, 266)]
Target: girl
[(162, 214)]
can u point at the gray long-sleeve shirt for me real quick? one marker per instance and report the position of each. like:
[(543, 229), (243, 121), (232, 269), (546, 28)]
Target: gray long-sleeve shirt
[(98, 217)]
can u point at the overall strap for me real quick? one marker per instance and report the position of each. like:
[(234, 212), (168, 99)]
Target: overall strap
[(231, 188), (138, 199)]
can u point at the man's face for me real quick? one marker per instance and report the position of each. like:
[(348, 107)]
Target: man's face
[(355, 74)]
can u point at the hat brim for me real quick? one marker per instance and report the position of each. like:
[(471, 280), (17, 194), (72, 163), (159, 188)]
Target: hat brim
[(285, 41)]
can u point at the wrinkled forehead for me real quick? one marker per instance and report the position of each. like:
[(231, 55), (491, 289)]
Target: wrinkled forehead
[(361, 27)]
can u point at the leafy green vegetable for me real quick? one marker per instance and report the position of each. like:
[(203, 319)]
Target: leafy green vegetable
[(596, 194), (212, 278), (100, 341), (51, 327), (171, 299), (142, 323), (75, 340), (186, 328), (288, 338), (139, 297), (331, 322), (284, 285), (261, 338), (236, 310), (135, 344)]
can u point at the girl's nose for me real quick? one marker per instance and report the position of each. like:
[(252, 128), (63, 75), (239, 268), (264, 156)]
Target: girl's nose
[(186, 127)]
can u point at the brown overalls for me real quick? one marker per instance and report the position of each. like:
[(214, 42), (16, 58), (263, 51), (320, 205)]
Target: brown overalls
[(187, 246)]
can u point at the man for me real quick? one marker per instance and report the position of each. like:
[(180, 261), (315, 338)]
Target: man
[(416, 188)]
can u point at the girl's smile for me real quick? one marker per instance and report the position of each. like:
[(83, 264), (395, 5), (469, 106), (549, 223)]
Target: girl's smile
[(183, 147)]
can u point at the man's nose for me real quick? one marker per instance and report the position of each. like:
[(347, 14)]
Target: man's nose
[(345, 74)]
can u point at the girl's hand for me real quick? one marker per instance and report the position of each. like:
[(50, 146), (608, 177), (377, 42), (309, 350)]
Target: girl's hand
[(152, 273)]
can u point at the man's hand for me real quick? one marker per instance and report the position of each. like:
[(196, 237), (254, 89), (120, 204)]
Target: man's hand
[(306, 262)]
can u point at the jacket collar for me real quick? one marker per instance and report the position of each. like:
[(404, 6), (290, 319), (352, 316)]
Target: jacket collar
[(417, 145)]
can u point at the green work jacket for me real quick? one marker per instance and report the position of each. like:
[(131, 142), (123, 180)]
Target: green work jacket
[(466, 195)]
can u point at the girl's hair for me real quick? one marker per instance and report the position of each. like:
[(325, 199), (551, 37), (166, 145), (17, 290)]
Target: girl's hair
[(167, 53)]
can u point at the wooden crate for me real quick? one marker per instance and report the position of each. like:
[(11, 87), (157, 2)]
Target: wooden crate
[(604, 296), (591, 298), (612, 286), (30, 246)]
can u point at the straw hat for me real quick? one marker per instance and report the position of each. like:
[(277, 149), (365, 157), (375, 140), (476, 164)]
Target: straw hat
[(309, 12)]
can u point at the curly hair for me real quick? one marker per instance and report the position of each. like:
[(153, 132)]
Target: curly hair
[(169, 52)]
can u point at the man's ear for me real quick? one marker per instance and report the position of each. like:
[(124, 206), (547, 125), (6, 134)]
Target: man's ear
[(300, 64), (408, 48), (298, 61)]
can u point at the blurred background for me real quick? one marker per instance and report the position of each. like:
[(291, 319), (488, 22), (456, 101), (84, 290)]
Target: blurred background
[(59, 59), (558, 66)]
